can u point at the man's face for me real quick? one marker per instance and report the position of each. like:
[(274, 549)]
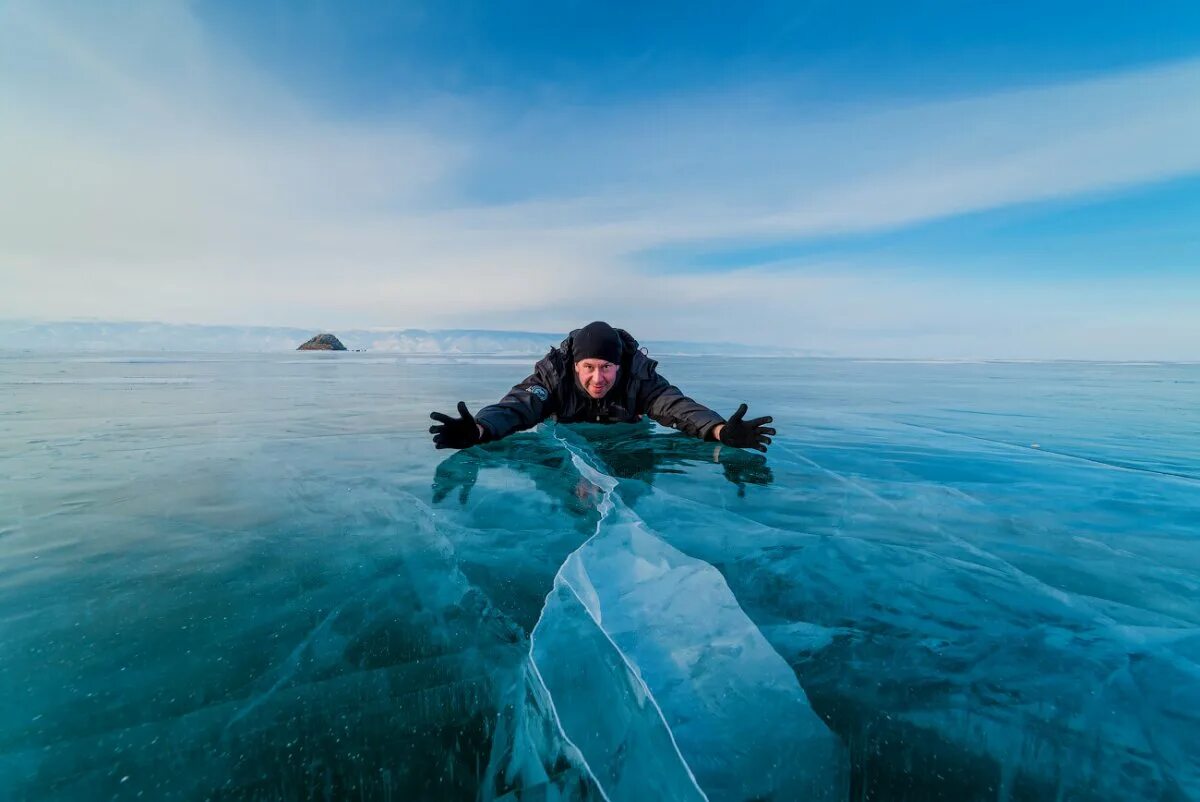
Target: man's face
[(596, 376)]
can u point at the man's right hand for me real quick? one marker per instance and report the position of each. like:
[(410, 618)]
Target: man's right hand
[(461, 432)]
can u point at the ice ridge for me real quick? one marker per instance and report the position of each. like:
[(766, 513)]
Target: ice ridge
[(662, 683)]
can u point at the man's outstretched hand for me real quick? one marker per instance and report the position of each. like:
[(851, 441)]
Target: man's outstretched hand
[(461, 432), (740, 433)]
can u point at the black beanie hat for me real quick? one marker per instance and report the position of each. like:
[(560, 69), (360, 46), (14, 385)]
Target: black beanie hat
[(597, 341)]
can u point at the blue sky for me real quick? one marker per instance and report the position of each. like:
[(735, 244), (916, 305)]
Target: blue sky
[(920, 179), (351, 53)]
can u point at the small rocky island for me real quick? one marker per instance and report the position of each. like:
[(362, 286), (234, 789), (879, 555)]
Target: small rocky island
[(323, 342)]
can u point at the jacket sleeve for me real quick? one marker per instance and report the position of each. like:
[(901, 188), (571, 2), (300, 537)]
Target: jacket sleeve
[(527, 404), (667, 404)]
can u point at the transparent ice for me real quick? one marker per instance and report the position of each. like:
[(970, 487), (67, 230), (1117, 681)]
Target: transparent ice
[(252, 577)]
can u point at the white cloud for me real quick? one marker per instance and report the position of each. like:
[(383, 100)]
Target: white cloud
[(146, 172)]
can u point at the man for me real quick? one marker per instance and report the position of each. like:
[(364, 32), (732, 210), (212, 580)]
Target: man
[(597, 375)]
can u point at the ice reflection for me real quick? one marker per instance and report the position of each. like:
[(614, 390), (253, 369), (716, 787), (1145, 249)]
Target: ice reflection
[(633, 451)]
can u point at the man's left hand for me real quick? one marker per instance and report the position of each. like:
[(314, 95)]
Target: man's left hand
[(740, 433)]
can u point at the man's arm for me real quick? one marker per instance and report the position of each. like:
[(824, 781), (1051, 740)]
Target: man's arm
[(528, 403), (666, 403)]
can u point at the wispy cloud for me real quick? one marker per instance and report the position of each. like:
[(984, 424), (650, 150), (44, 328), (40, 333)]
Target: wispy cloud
[(151, 173), (753, 163)]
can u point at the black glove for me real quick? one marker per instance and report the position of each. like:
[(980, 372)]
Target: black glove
[(460, 433), (746, 434)]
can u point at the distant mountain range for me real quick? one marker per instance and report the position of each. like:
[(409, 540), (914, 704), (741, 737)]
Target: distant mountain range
[(113, 336)]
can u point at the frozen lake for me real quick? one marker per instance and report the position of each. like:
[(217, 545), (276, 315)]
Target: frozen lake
[(252, 577)]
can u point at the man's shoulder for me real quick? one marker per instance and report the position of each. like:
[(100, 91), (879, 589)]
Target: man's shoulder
[(642, 365), (552, 365)]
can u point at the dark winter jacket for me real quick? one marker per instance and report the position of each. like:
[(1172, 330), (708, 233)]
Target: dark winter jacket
[(553, 391)]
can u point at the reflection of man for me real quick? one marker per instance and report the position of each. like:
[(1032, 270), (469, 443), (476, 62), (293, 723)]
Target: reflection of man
[(631, 454), (597, 375)]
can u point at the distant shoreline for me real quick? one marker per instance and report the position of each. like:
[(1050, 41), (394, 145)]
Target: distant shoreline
[(104, 336)]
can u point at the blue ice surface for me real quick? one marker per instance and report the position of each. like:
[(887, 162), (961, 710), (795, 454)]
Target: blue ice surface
[(252, 577)]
